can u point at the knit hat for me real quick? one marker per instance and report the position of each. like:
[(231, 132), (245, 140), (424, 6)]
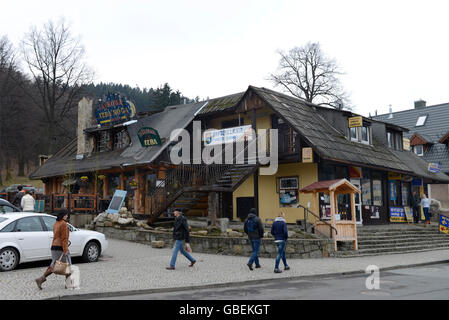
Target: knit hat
[(253, 211)]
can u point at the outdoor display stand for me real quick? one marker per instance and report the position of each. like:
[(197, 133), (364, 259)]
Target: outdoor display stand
[(346, 229)]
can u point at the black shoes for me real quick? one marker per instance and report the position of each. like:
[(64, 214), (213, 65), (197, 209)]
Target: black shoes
[(192, 263), (257, 267), (277, 271), (250, 267), (287, 268), (170, 268)]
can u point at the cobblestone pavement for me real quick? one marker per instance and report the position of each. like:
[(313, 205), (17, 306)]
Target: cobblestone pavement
[(128, 266)]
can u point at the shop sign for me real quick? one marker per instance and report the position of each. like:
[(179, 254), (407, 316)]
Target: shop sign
[(117, 201), (228, 135), (355, 122), (113, 109), (434, 167), (355, 172), (149, 137), (307, 155), (394, 176), (408, 214), (392, 189), (417, 182), (397, 214), (406, 144), (444, 224)]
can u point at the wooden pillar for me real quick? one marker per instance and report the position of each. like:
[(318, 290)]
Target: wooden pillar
[(122, 181), (332, 201), (105, 187)]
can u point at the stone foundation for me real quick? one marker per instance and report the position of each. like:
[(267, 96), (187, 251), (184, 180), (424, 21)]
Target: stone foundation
[(238, 246)]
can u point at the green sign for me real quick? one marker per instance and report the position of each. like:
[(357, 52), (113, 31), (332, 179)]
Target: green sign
[(149, 137)]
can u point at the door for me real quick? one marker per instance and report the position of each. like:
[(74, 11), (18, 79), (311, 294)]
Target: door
[(32, 238), (358, 202)]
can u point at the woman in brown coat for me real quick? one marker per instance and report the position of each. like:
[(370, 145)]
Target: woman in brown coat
[(59, 246)]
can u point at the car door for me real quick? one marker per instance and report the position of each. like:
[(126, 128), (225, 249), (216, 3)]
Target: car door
[(32, 238)]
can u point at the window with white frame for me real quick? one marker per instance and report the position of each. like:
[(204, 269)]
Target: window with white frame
[(419, 150), (360, 134), (421, 121)]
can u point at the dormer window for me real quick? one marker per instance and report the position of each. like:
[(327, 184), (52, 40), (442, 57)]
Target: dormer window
[(421, 121), (360, 134), (395, 140), (419, 150)]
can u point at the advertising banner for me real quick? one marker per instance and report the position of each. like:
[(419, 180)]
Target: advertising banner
[(434, 167), (397, 214), (392, 190), (355, 122), (408, 214), (444, 224), (228, 135)]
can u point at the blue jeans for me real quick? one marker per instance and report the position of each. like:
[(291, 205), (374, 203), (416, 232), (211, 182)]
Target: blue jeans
[(179, 246), (426, 213), (255, 255), (281, 254)]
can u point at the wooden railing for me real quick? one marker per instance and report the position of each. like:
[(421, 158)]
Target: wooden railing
[(321, 227)]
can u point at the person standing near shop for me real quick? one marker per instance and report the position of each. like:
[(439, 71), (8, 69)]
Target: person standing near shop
[(254, 229), (18, 196), (280, 232), (59, 245), (425, 203), (27, 202), (180, 234), (415, 202)]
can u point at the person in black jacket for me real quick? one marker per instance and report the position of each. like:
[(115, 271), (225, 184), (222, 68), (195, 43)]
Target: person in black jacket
[(280, 232), (254, 229), (18, 197), (180, 234)]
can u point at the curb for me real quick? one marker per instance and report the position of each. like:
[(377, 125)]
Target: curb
[(111, 294)]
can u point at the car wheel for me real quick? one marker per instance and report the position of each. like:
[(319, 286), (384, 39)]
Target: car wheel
[(91, 252), (9, 259)]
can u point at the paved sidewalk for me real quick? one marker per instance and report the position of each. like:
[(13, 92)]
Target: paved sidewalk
[(128, 266)]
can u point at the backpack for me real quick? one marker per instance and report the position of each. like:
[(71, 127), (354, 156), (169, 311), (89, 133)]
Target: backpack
[(251, 225)]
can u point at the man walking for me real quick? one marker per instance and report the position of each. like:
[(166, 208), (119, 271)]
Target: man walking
[(180, 234), (415, 202), (254, 229)]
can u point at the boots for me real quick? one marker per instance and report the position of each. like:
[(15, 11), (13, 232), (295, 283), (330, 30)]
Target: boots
[(41, 280)]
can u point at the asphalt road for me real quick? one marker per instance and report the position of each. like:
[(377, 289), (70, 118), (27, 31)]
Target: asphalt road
[(419, 283)]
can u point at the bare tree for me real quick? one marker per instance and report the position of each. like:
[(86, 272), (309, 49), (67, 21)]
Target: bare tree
[(56, 62), (305, 72)]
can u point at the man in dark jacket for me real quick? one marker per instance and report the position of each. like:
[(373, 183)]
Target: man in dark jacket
[(254, 229), (280, 232), (180, 234), (415, 202), (17, 200)]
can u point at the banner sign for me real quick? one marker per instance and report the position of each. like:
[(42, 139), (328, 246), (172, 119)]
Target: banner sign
[(417, 182), (116, 202), (355, 122), (149, 137), (307, 155), (408, 214), (392, 189), (444, 224), (228, 135), (394, 176), (434, 167), (397, 214), (113, 109)]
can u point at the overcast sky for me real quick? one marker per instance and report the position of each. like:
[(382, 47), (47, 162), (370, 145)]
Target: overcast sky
[(392, 52)]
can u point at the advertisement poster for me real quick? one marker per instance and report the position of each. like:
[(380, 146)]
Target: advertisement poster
[(288, 198), (444, 224), (408, 214), (397, 215), (375, 212), (392, 189), (228, 135)]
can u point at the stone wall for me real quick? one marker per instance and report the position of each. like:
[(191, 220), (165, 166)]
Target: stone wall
[(239, 246)]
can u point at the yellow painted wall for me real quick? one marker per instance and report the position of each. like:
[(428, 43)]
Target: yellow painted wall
[(269, 205)]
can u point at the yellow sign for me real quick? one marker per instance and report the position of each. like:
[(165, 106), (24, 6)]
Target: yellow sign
[(406, 144), (394, 176), (307, 155), (355, 122), (408, 214)]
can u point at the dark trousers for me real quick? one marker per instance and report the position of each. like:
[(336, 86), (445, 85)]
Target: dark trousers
[(426, 213), (416, 214)]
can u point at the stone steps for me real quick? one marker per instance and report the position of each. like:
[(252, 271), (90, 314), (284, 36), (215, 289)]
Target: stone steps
[(397, 245)]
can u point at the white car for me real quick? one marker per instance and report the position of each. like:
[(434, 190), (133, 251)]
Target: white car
[(26, 237)]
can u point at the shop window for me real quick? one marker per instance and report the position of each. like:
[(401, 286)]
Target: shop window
[(377, 192), (288, 191), (405, 194), (366, 191)]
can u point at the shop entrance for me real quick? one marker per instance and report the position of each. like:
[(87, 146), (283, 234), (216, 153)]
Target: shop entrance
[(358, 202)]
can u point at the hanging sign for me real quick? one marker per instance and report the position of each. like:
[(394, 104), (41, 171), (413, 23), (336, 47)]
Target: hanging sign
[(394, 176), (149, 137), (392, 187), (113, 109), (355, 122), (406, 144), (434, 167), (307, 155)]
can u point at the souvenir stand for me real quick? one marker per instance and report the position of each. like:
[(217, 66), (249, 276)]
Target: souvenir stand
[(346, 229)]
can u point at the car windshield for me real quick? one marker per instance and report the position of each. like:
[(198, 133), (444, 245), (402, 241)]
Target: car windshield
[(3, 219)]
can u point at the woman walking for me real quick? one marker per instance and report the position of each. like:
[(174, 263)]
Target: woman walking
[(425, 203), (59, 246), (180, 234), (280, 233)]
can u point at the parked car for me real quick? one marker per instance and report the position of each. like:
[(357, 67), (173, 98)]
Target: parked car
[(26, 237), (7, 207)]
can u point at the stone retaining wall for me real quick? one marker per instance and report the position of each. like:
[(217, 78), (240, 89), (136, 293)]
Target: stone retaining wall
[(239, 246)]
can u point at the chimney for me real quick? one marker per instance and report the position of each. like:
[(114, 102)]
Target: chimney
[(85, 115), (43, 158), (390, 116), (420, 104)]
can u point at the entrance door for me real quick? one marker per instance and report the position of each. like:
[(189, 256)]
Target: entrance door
[(358, 202)]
